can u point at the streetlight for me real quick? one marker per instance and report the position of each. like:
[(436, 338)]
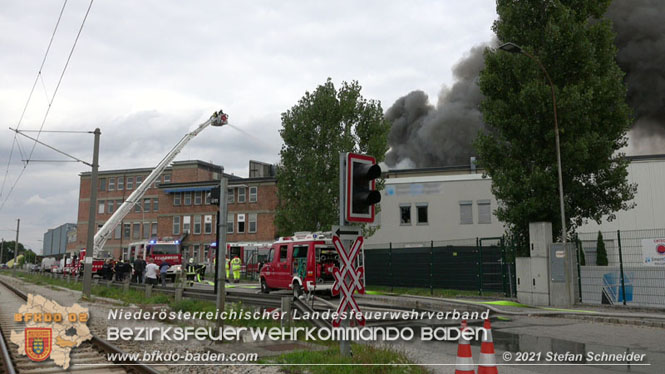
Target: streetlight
[(514, 48)]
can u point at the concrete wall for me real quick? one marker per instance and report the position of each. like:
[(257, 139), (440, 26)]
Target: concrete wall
[(649, 175), (442, 194)]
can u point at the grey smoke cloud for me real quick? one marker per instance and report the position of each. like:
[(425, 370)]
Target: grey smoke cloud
[(439, 135), (640, 28), (426, 135)]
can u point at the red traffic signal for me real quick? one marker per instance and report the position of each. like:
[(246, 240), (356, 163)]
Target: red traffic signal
[(361, 193)]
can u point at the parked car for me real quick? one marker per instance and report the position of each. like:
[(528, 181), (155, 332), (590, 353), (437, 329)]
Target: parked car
[(4, 266), (35, 267)]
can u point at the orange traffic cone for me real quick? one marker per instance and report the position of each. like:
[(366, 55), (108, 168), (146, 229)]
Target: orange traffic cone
[(464, 361), (487, 363)]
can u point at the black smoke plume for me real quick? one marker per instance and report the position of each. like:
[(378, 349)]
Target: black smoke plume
[(423, 135), (640, 28)]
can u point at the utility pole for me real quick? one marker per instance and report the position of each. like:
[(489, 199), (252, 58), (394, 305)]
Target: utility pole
[(344, 344), (90, 245), (18, 224), (2, 250), (220, 280)]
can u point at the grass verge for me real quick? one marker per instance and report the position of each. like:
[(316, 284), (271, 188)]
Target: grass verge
[(437, 292), (389, 362)]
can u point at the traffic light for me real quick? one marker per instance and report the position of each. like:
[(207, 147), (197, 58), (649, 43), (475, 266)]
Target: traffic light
[(361, 195), (213, 196)]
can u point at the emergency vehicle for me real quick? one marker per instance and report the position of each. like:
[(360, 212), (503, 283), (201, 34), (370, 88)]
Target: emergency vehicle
[(161, 250), (303, 262), (75, 266)]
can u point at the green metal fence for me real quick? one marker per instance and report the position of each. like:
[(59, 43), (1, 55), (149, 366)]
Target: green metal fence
[(479, 264), (635, 270)]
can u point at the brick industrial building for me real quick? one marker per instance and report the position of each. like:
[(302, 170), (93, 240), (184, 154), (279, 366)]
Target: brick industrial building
[(176, 207)]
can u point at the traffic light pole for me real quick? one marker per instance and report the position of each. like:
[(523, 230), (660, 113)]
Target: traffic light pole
[(344, 345), (220, 278)]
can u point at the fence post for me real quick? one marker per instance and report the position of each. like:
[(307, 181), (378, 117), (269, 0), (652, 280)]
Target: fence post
[(480, 267), (431, 264), (579, 267), (390, 265), (623, 284), (503, 267)]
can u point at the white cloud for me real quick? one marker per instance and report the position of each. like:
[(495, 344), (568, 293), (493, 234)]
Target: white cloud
[(146, 72)]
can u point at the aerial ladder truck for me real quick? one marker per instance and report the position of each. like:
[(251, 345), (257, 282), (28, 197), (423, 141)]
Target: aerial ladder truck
[(218, 119)]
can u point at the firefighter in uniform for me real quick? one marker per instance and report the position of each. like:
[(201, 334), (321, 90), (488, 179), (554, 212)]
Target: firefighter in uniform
[(227, 270), (235, 264), (191, 272)]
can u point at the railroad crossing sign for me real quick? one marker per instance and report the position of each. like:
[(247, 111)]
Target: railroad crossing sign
[(348, 279)]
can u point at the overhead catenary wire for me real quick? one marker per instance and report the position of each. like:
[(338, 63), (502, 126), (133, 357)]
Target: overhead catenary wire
[(55, 92), (32, 90)]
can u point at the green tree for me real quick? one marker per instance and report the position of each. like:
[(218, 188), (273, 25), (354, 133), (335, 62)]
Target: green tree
[(324, 123), (518, 148), (8, 252), (30, 256), (601, 252)]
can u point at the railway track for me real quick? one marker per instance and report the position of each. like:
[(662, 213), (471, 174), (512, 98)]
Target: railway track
[(92, 352)]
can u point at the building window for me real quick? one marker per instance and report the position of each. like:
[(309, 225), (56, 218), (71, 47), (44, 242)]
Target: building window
[(197, 198), (110, 206), (405, 214), (155, 204), (188, 198), (176, 225), (206, 253), (186, 223), (241, 194), (127, 228), (231, 194), (466, 212), (197, 224), (253, 191), (241, 223), (153, 230), (195, 254), (117, 231), (206, 198), (102, 184), (139, 180), (167, 178), (121, 183), (111, 184), (130, 183), (100, 207), (252, 222), (137, 207), (146, 205), (146, 230), (207, 224), (422, 214), (484, 211), (177, 198), (136, 231), (229, 223)]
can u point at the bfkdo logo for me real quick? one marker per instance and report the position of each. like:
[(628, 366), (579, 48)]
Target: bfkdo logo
[(51, 330), (38, 343)]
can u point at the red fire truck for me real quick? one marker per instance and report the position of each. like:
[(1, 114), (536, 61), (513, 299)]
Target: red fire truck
[(303, 262), (161, 250), (75, 266)]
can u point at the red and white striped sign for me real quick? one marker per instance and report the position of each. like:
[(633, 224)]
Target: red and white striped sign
[(348, 280)]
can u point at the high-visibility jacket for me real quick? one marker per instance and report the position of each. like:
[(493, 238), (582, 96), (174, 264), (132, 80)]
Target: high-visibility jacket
[(227, 268), (235, 264)]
